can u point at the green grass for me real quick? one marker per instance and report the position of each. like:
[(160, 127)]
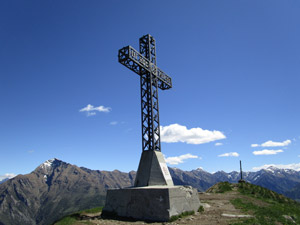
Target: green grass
[(182, 215), (93, 210), (262, 193), (71, 219), (270, 213), (224, 187)]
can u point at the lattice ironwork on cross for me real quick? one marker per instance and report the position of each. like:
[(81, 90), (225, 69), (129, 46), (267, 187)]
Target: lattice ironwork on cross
[(151, 78)]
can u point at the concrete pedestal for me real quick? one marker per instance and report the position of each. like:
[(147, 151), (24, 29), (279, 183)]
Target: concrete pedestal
[(153, 203), (152, 170)]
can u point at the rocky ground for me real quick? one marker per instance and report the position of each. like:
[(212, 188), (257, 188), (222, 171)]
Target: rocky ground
[(217, 210)]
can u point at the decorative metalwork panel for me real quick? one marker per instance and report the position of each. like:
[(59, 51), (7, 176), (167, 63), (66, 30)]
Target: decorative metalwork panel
[(151, 78), (136, 62)]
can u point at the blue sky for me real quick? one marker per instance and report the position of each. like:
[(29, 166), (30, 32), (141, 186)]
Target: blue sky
[(234, 66)]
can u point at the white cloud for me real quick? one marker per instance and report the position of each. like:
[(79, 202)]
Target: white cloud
[(178, 133), (273, 144), (267, 152), (229, 154), (293, 166), (113, 123), (276, 144), (30, 151), (7, 175), (179, 159), (218, 144), (91, 110)]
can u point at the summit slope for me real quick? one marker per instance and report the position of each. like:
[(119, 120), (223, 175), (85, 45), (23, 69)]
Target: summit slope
[(223, 203)]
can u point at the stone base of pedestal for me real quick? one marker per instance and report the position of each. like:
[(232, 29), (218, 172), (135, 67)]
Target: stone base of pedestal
[(151, 203)]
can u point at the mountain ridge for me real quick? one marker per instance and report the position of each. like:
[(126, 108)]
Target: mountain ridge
[(56, 188)]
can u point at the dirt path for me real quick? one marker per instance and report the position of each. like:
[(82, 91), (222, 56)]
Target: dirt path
[(217, 210)]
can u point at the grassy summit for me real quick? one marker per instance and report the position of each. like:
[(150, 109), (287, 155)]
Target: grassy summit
[(223, 203), (266, 206)]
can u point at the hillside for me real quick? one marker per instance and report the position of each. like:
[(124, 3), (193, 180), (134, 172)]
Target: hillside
[(294, 193), (224, 203)]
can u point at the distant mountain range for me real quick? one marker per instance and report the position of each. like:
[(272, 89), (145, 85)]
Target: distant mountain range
[(56, 188), (280, 180), (2, 181)]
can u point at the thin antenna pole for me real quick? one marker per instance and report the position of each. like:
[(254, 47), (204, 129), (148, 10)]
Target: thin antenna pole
[(241, 170)]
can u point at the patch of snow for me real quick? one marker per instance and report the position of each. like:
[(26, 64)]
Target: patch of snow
[(256, 177), (46, 166), (292, 167), (270, 169), (48, 163)]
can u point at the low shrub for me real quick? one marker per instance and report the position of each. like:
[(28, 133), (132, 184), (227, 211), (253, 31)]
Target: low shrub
[(201, 209), (182, 215)]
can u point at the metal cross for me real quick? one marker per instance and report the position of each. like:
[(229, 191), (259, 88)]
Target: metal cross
[(151, 77)]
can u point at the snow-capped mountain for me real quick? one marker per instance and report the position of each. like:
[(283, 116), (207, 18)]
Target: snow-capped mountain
[(55, 189)]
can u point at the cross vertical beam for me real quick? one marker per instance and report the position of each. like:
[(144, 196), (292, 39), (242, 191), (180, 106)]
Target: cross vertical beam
[(149, 98)]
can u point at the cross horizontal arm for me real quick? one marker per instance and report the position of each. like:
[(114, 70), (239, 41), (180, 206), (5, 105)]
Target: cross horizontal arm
[(134, 61)]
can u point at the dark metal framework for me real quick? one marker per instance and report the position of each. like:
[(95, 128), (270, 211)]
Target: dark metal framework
[(151, 77)]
